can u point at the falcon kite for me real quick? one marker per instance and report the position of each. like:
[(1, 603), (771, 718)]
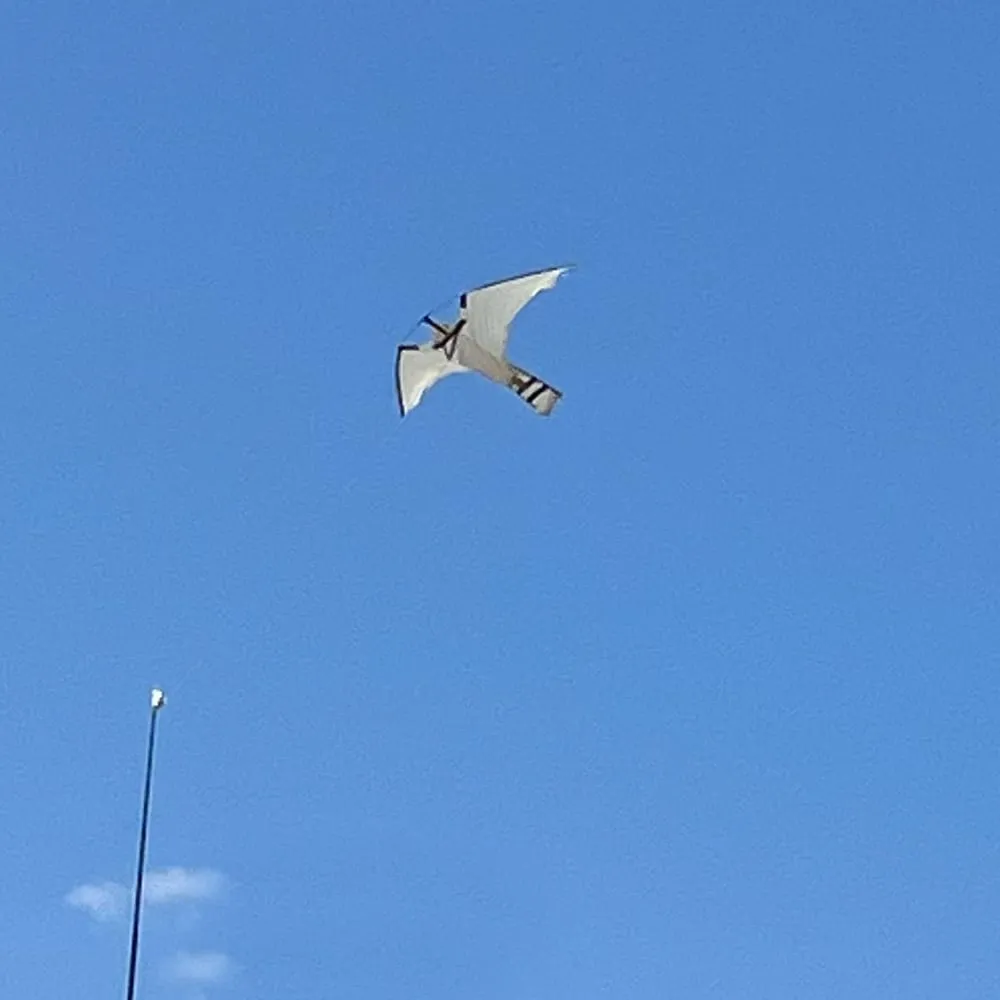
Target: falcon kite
[(477, 342)]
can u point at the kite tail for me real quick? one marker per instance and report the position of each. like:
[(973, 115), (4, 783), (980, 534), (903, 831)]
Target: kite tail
[(539, 395)]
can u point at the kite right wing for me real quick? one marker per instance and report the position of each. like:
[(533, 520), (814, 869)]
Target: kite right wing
[(417, 369), (489, 310)]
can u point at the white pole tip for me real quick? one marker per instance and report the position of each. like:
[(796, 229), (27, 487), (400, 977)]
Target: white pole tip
[(158, 699)]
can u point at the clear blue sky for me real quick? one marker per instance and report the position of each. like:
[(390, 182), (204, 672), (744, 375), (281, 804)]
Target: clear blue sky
[(688, 691)]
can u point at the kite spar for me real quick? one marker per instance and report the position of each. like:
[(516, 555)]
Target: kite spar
[(156, 701)]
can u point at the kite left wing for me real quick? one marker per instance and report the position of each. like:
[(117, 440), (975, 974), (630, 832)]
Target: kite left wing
[(417, 369)]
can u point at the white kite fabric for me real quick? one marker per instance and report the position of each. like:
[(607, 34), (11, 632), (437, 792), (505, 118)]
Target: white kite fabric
[(477, 342)]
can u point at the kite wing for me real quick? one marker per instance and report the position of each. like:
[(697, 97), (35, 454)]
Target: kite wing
[(417, 369), (488, 311)]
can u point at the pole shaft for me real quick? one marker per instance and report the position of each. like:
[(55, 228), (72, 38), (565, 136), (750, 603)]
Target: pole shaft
[(141, 867)]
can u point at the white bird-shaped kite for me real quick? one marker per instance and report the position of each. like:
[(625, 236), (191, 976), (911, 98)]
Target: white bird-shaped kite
[(477, 342)]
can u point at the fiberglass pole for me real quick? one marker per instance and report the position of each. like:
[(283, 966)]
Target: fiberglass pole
[(157, 701)]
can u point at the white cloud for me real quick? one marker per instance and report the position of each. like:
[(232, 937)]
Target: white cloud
[(103, 901), (201, 968), (176, 885), (109, 900)]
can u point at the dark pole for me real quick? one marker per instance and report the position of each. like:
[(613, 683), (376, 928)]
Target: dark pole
[(156, 703)]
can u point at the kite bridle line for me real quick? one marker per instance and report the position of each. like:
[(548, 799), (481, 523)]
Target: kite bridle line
[(448, 341), (446, 337)]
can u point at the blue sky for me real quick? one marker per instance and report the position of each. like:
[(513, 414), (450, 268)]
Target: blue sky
[(688, 691)]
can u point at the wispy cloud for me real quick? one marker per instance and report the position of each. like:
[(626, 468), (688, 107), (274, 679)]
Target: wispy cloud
[(103, 901), (201, 968), (109, 900), (176, 885)]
